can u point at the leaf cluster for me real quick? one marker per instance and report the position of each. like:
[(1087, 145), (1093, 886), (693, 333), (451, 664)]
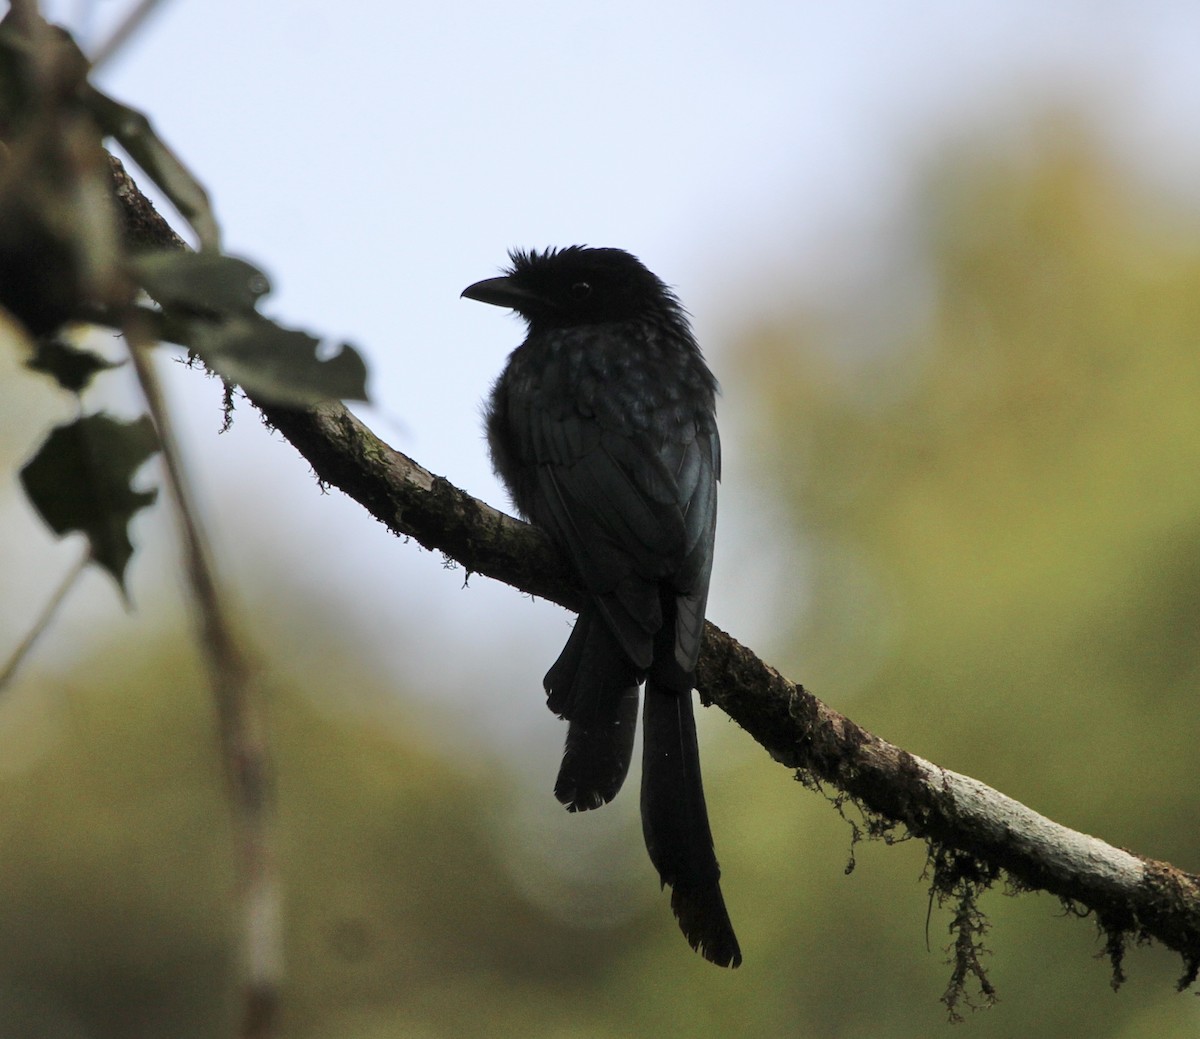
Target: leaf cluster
[(68, 257)]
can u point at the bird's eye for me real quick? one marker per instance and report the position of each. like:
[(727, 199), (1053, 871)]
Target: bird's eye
[(581, 290)]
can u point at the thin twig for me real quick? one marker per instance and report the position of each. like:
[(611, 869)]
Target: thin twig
[(123, 32), (243, 735), (43, 621)]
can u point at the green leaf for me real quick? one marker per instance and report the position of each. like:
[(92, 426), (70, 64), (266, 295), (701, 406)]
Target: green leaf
[(71, 367), (147, 149), (80, 480), (209, 301), (202, 283), (281, 365), (58, 230)]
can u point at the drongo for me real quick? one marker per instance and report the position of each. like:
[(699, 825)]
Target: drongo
[(603, 428)]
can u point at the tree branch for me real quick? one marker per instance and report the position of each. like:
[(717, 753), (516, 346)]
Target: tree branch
[(974, 832), (237, 695)]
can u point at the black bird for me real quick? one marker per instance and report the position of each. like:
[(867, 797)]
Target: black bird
[(603, 428)]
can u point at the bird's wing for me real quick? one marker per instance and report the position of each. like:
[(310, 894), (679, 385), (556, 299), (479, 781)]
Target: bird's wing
[(631, 513), (698, 469)]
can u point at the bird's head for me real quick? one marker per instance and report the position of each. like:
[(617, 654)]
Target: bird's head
[(578, 285)]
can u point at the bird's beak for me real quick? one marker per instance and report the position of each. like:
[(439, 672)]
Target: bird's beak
[(500, 292)]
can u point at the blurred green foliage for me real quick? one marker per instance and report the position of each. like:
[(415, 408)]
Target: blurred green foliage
[(1003, 504), (1001, 499)]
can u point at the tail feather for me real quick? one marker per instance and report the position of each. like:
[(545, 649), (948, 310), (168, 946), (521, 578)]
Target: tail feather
[(594, 687), (675, 824)]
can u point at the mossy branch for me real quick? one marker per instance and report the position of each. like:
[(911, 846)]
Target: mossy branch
[(975, 834)]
